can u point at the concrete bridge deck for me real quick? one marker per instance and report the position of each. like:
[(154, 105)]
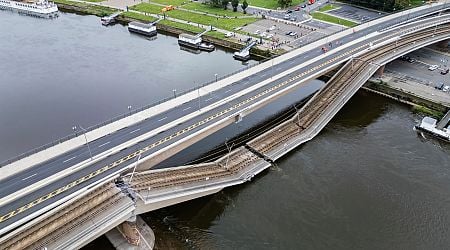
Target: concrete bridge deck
[(313, 117), (107, 169)]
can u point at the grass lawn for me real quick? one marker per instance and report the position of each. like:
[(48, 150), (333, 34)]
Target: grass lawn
[(171, 2), (182, 26), (138, 16), (206, 8), (89, 8), (328, 7), (332, 19), (270, 4), (221, 23)]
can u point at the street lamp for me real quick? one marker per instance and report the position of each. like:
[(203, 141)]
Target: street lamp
[(74, 128), (129, 108), (174, 93), (216, 76)]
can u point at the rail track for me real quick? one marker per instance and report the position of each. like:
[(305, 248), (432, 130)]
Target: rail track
[(328, 96)]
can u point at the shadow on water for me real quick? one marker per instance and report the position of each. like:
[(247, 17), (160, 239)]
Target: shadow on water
[(186, 225)]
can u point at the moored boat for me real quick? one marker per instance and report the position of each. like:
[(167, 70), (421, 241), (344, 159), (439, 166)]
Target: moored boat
[(142, 28), (41, 8)]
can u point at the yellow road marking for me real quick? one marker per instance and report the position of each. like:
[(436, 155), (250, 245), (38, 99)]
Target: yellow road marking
[(174, 135)]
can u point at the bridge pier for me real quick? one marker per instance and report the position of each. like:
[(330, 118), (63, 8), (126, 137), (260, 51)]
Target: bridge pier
[(380, 71), (133, 234)]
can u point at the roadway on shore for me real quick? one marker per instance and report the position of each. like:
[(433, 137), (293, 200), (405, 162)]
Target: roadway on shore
[(41, 198)]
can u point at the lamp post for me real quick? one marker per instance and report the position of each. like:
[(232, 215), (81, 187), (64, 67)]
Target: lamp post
[(216, 76), (74, 128), (129, 108), (174, 93), (198, 97)]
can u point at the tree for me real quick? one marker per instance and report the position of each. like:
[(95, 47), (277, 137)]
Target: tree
[(284, 3), (235, 4), (215, 3), (244, 6), (224, 4)]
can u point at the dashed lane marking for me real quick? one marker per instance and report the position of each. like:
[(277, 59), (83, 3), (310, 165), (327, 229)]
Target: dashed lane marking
[(29, 177), (106, 143), (69, 159), (153, 145)]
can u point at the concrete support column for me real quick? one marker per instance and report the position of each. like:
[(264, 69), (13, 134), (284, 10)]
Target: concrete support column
[(380, 71), (133, 234)]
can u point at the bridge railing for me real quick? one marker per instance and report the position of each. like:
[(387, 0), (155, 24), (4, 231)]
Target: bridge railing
[(403, 18), (121, 116)]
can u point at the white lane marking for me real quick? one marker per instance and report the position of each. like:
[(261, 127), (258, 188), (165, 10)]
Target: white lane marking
[(134, 131), (187, 108), (70, 159), (263, 75), (162, 119), (104, 144), (29, 177), (228, 91), (208, 99)]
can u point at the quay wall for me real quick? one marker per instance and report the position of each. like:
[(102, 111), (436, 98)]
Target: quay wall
[(235, 46)]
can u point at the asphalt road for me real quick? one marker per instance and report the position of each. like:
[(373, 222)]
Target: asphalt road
[(154, 143)]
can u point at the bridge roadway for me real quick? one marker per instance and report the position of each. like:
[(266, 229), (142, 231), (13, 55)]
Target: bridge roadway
[(159, 188), (274, 79)]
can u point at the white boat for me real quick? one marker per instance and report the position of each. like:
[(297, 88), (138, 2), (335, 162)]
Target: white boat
[(142, 28), (41, 8), (107, 20), (206, 47)]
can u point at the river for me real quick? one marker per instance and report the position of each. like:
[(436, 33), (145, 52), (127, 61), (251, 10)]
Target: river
[(368, 181)]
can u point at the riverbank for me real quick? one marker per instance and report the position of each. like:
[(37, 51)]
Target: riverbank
[(168, 26), (419, 103)]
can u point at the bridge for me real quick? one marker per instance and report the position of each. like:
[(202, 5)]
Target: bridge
[(46, 196)]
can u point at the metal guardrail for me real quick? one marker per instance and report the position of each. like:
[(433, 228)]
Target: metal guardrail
[(63, 139)]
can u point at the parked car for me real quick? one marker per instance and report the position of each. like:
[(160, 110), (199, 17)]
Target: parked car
[(303, 6), (257, 32), (272, 27), (297, 8), (410, 60), (293, 18), (269, 36), (293, 34), (446, 88), (444, 71), (229, 34), (287, 16), (433, 67), (264, 34), (440, 86), (288, 33), (288, 11)]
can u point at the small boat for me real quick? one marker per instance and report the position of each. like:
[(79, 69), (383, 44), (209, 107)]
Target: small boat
[(206, 47), (242, 56), (142, 28)]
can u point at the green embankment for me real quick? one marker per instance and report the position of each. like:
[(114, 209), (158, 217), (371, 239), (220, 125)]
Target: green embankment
[(221, 23), (88, 8), (270, 4), (428, 112), (207, 8), (328, 7), (332, 19), (138, 16)]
